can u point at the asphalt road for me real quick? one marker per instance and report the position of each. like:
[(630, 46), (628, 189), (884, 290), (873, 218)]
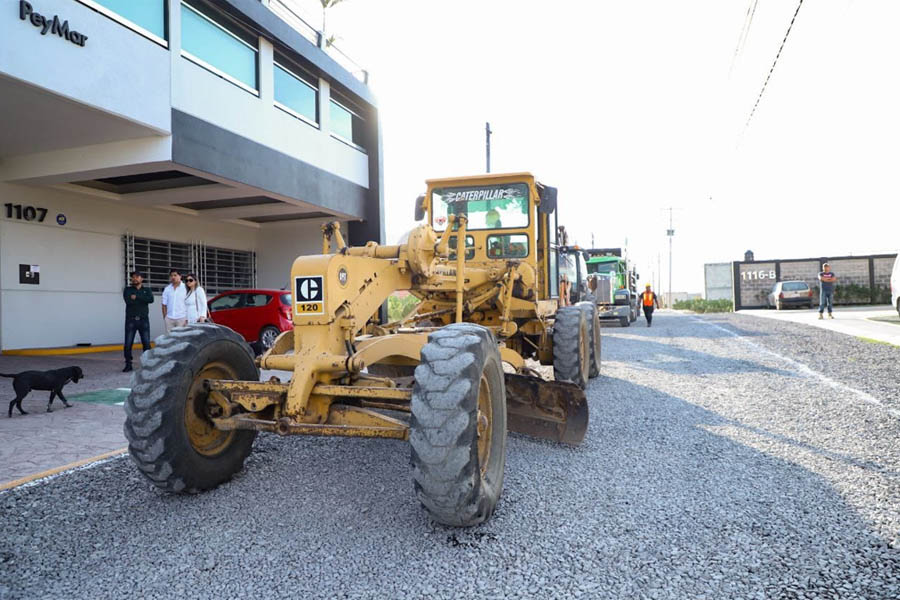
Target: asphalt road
[(727, 457)]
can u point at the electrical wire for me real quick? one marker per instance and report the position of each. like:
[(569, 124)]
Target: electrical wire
[(775, 62), (745, 33)]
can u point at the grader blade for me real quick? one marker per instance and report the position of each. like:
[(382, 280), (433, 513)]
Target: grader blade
[(552, 410)]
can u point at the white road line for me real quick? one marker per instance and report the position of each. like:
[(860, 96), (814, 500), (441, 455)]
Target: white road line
[(805, 370)]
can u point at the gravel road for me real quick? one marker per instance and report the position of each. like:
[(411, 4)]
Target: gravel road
[(727, 457)]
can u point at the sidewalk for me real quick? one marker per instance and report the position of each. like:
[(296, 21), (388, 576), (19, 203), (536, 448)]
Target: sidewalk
[(858, 321), (39, 441)]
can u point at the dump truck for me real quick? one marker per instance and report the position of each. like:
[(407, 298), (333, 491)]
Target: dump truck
[(610, 263), (451, 378)]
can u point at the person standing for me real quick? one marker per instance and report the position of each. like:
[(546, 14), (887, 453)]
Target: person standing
[(827, 279), (137, 316), (173, 308), (648, 300), (195, 301)]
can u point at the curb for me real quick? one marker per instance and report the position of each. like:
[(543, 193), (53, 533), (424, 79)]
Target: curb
[(49, 472), (70, 350)]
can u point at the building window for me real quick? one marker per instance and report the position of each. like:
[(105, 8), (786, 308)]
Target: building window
[(346, 124), (219, 269), (295, 93), (228, 51), (147, 17)]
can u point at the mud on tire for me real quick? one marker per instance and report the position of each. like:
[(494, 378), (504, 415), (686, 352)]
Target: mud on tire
[(166, 409), (459, 379), (594, 340), (571, 353)]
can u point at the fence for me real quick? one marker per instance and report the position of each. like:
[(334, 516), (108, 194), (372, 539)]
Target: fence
[(861, 279), (717, 281)]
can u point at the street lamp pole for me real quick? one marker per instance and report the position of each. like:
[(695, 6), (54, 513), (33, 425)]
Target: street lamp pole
[(487, 144), (671, 233)]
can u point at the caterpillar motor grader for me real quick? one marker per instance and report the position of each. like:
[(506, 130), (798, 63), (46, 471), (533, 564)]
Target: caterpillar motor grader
[(435, 378)]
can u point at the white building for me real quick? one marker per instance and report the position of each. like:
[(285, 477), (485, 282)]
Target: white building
[(208, 135)]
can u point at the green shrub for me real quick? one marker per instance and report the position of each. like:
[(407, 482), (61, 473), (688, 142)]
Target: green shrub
[(699, 305), (401, 306)]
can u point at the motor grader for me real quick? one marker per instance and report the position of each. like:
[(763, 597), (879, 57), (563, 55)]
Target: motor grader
[(451, 378)]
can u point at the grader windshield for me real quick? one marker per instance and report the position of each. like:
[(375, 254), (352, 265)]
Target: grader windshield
[(503, 206)]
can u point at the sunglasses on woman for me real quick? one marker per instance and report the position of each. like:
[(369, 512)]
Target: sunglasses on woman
[(189, 280)]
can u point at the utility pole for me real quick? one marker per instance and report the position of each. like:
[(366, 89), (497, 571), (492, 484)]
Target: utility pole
[(658, 283), (671, 233), (487, 143)]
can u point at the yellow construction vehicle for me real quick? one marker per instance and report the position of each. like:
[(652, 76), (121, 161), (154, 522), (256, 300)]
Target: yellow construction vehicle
[(451, 378)]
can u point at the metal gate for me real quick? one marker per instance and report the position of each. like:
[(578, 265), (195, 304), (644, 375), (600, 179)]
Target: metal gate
[(219, 269)]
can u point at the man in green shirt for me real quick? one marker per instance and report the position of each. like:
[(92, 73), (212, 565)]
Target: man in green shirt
[(137, 315)]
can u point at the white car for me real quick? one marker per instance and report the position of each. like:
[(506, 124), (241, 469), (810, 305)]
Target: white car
[(790, 293), (895, 284)]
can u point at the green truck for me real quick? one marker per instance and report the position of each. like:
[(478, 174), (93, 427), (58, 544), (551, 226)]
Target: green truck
[(609, 264)]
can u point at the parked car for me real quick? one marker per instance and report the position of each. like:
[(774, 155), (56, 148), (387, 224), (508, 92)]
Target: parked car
[(790, 293), (259, 315), (895, 284)]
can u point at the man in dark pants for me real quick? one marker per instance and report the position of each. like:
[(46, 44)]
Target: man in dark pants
[(137, 316), (648, 299)]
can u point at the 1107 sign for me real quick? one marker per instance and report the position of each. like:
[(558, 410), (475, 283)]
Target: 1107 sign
[(27, 213), (761, 274)]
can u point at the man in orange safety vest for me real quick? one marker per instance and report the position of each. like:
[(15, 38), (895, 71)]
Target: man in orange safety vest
[(648, 300)]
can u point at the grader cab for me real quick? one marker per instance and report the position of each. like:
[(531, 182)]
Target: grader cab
[(452, 378)]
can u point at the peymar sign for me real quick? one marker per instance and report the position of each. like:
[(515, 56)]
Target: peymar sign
[(46, 24)]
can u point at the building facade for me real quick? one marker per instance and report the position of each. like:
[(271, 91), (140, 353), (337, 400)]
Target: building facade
[(207, 135)]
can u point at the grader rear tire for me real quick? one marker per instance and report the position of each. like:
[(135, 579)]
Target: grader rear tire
[(170, 436), (458, 425), (571, 346), (590, 313)]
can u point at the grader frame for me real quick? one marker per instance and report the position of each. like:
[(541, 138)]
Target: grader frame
[(491, 287)]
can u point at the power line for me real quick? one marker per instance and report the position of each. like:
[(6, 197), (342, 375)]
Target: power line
[(775, 62), (745, 32)]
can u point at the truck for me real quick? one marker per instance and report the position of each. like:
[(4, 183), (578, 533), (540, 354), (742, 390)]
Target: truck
[(610, 263)]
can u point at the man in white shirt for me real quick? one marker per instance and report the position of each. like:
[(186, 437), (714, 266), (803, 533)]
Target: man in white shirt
[(173, 309)]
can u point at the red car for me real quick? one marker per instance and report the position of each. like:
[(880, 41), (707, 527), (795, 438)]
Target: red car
[(259, 315)]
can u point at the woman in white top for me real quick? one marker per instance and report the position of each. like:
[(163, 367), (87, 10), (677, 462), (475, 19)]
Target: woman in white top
[(195, 301)]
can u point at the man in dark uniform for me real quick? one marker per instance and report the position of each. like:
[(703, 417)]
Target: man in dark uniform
[(648, 300), (137, 316)]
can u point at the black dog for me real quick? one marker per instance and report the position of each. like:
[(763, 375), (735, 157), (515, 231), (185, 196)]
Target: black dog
[(50, 381)]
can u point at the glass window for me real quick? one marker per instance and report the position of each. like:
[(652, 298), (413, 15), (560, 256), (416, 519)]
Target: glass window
[(794, 286), (602, 267), (514, 245), (218, 46), (286, 299), (346, 124), (470, 248), (295, 93), (486, 207), (226, 302), (146, 14), (256, 300)]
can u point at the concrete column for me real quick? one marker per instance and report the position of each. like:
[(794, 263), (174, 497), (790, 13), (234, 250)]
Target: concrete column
[(266, 72), (324, 107), (174, 42)]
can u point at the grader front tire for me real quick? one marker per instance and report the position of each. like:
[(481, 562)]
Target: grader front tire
[(458, 425), (590, 314), (170, 436), (571, 348)]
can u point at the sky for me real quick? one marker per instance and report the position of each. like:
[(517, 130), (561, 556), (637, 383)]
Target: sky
[(631, 107)]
